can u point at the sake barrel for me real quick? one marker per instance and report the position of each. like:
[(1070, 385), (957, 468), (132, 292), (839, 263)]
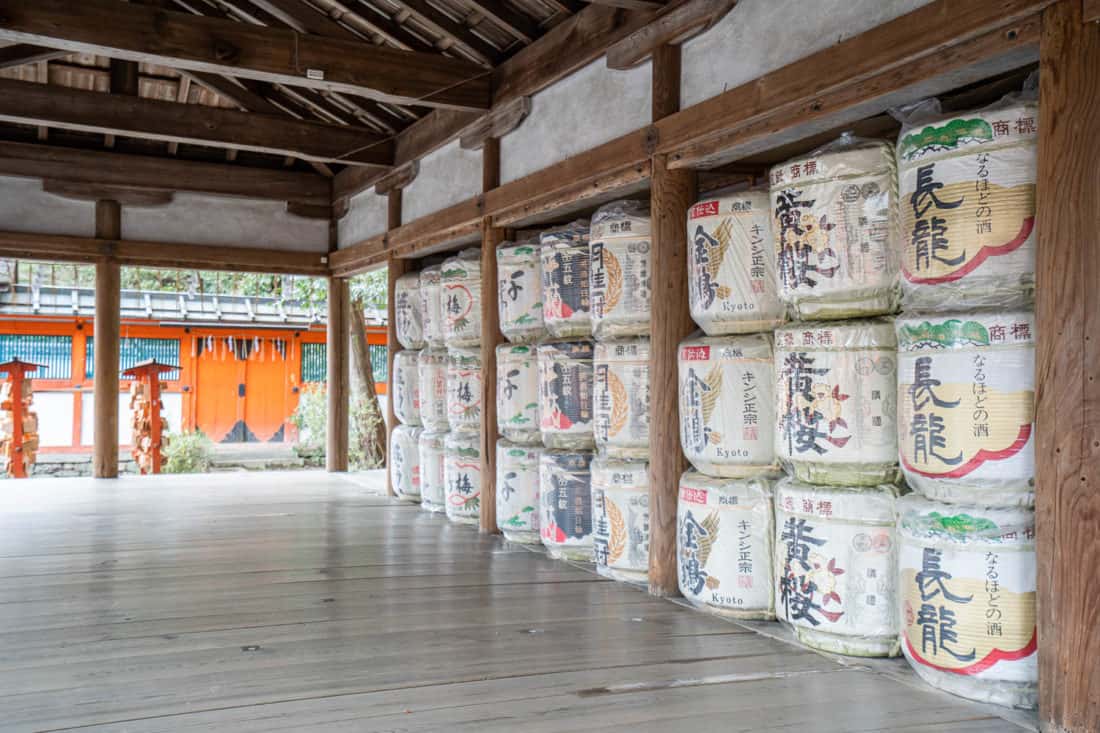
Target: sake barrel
[(464, 389), (433, 485), (724, 542), (461, 299), (836, 405), (564, 260), (565, 504), (565, 394), (727, 404), (968, 588), (519, 291), (619, 275), (620, 398), (431, 371), (431, 305), (518, 393), (620, 519), (462, 474), (407, 315), (406, 386), (405, 462), (835, 555), (731, 264), (968, 209), (834, 218), (518, 491), (966, 390)]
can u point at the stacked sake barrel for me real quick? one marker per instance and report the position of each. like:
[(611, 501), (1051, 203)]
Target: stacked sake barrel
[(966, 386), (405, 393), (432, 380)]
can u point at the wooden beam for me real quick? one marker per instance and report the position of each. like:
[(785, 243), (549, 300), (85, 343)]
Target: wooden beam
[(337, 391), (76, 109), (180, 40), (1067, 430), (107, 327), (1091, 10), (394, 270), (397, 178), (629, 4), (25, 53), (171, 255), (124, 195), (674, 24), (491, 336), (438, 22), (518, 24), (161, 174), (497, 123)]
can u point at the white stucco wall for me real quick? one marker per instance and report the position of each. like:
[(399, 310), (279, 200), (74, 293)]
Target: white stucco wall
[(25, 207), (368, 214), (587, 108), (172, 412), (219, 220), (759, 36), (446, 176)]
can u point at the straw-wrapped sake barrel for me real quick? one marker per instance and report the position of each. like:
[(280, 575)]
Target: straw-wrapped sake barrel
[(727, 404), (405, 462), (518, 393), (731, 264), (518, 491), (835, 228), (431, 305), (620, 519), (968, 584), (564, 261), (519, 291), (835, 554), (835, 402), (619, 247), (406, 386), (431, 371), (433, 484), (462, 474), (464, 389), (565, 394), (968, 209), (461, 299), (407, 315), (565, 504), (966, 412), (724, 545), (620, 398)]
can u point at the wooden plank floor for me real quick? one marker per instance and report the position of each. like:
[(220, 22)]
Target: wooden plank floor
[(299, 602)]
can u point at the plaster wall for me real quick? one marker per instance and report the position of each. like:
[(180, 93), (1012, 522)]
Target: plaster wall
[(25, 207), (589, 107), (218, 220), (368, 214), (446, 176)]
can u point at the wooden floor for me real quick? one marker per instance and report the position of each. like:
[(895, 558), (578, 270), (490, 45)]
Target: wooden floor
[(298, 602)]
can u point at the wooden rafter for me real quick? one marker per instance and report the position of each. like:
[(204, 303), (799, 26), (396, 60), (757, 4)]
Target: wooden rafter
[(122, 30), (26, 53), (629, 4), (457, 33), (516, 23)]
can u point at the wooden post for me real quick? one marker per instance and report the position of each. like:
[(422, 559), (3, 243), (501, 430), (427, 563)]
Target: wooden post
[(395, 269), (108, 225), (336, 346), (490, 337), (1067, 431), (671, 193)]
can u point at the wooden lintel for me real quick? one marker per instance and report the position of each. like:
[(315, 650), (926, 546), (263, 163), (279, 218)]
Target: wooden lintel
[(56, 248), (311, 211), (398, 178), (496, 124), (125, 195), (221, 46), (116, 114), (674, 24), (162, 174)]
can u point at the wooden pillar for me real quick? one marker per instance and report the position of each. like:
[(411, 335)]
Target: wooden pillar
[(671, 193), (108, 225), (337, 393), (1067, 432), (490, 337), (395, 268)]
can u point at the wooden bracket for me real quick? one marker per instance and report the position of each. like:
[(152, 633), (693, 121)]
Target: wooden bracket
[(398, 178), (125, 195), (499, 122), (673, 25)]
